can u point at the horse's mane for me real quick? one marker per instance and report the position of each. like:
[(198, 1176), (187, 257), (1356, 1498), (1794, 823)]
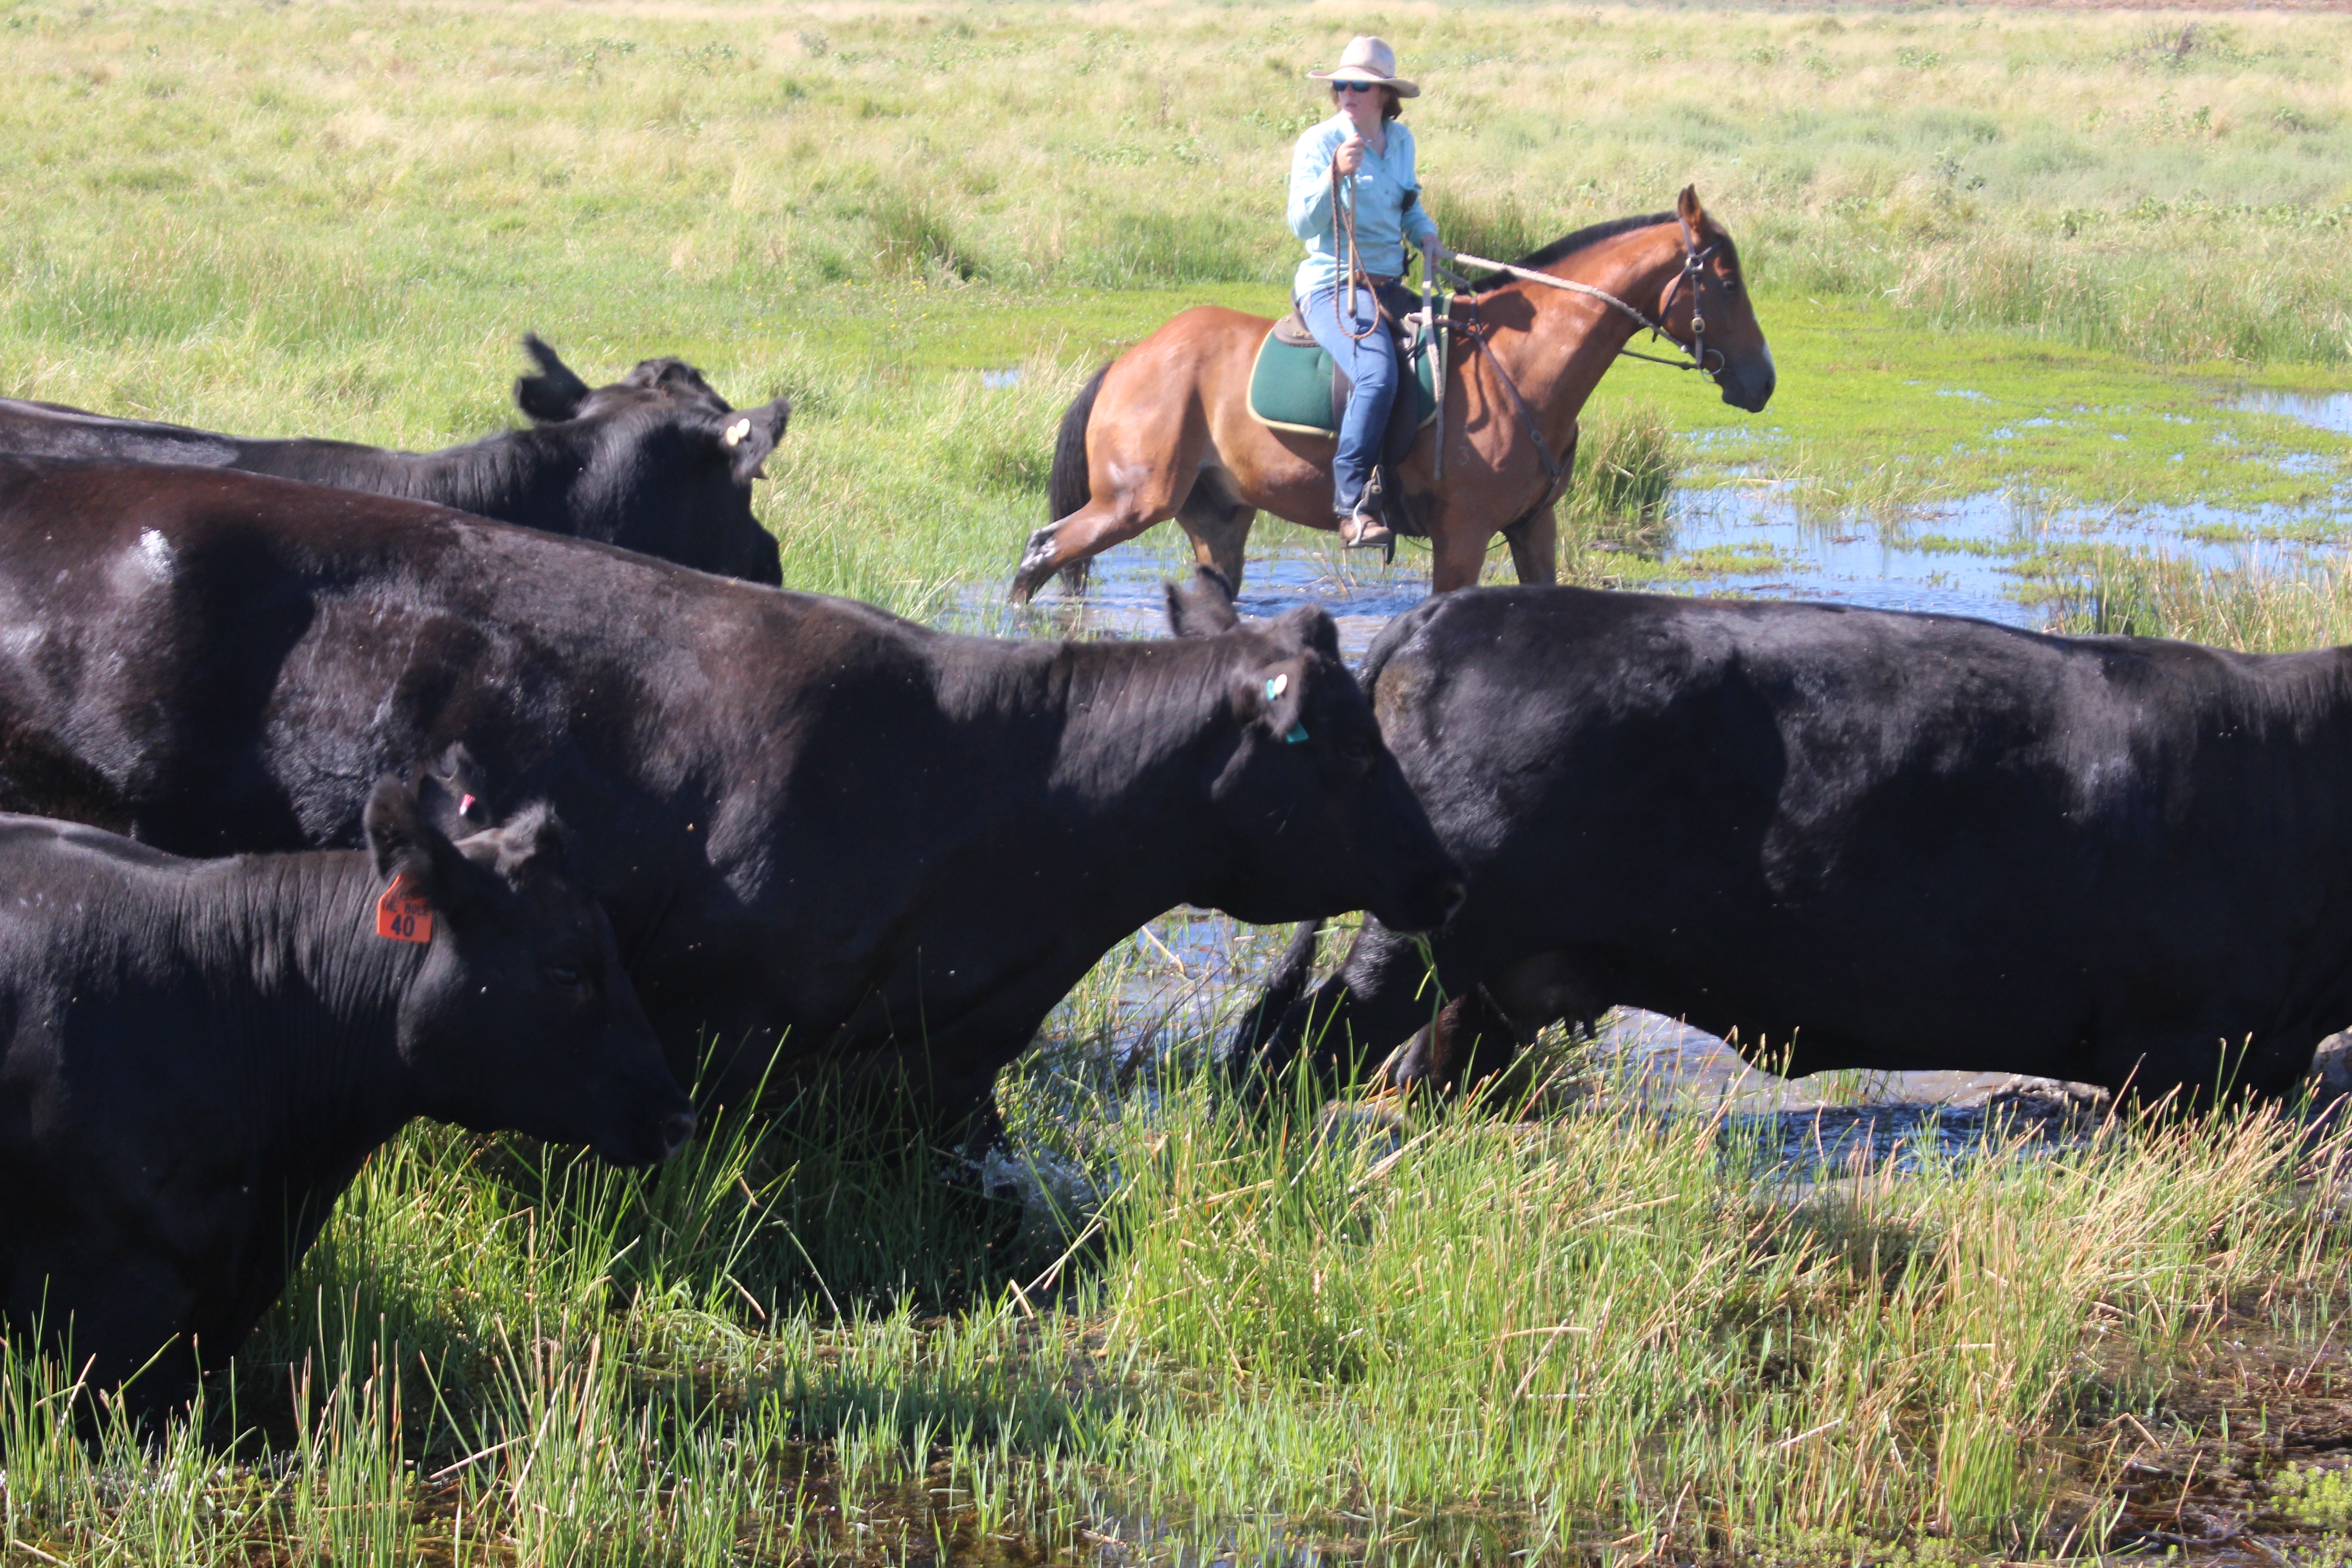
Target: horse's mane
[(1569, 244)]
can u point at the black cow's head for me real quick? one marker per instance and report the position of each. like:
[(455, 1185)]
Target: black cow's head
[(1320, 810), (520, 1015), (667, 463)]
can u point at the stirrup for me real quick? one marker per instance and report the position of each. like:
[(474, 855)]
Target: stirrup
[(1363, 531)]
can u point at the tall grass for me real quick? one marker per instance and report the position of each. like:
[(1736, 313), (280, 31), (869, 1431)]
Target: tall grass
[(1611, 1331), (2069, 174), (2256, 608), (1610, 1326)]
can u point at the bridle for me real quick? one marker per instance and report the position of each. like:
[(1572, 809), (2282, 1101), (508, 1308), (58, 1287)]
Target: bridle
[(1693, 273), (1695, 352)]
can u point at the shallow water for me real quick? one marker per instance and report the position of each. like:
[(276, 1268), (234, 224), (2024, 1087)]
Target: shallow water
[(2321, 410), (1959, 557), (1956, 558)]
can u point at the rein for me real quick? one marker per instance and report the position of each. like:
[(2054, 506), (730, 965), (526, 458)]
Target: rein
[(1351, 274), (1695, 351), (1694, 259)]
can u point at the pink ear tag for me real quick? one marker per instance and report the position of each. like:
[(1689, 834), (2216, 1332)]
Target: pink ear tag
[(465, 806)]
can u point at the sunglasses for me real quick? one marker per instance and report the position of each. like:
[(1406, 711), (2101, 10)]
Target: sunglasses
[(1355, 87)]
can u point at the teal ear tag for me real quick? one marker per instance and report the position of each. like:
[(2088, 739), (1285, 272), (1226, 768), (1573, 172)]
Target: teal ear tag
[(1275, 685)]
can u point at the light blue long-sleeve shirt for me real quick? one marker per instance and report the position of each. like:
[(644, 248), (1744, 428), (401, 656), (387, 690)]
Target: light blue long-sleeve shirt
[(1382, 183)]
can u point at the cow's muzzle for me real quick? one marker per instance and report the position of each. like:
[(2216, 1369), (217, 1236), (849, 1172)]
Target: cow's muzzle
[(1426, 909)]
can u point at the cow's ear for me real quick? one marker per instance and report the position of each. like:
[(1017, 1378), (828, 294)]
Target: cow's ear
[(747, 436), (555, 394), (1273, 697), (451, 792), (406, 844), (1314, 627), (1202, 607), (532, 842)]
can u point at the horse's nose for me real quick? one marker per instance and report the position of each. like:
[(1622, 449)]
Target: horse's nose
[(1750, 391)]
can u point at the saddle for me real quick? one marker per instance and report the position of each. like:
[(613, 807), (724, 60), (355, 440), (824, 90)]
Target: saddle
[(1295, 387)]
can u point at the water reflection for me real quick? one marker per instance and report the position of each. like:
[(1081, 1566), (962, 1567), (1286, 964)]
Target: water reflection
[(2321, 410)]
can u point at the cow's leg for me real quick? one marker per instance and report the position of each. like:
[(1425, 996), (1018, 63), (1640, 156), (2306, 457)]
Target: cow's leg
[(1456, 556), (1382, 992), (1534, 548), (2201, 1066), (1481, 1032), (116, 1317)]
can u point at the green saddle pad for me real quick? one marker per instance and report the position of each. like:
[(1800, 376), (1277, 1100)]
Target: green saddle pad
[(1290, 388)]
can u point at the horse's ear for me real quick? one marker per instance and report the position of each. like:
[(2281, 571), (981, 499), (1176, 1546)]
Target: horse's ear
[(1686, 208)]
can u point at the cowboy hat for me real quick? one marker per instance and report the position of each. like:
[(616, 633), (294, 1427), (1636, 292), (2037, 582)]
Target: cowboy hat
[(1368, 59)]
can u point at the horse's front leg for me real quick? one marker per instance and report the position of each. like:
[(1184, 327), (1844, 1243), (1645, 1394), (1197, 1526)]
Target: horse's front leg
[(1457, 555), (1535, 548), (1220, 532)]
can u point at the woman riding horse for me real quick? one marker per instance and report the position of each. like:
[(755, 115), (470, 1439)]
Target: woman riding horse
[(1355, 200), (1165, 430)]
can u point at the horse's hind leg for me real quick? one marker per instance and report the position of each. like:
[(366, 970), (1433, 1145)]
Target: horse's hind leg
[(1141, 465), (1481, 1033)]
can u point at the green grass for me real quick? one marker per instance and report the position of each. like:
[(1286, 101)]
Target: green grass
[(324, 222), (1416, 1336), (1587, 1335)]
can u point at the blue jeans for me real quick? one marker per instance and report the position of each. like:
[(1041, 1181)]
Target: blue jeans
[(1372, 365)]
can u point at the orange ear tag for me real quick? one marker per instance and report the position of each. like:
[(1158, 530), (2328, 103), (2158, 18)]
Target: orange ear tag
[(402, 916)]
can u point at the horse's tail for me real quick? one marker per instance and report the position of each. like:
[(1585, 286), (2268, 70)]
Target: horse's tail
[(1070, 487)]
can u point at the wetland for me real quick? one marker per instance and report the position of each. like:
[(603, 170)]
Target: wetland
[(2058, 302)]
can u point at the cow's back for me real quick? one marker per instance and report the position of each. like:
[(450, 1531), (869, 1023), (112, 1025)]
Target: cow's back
[(30, 429), (217, 662)]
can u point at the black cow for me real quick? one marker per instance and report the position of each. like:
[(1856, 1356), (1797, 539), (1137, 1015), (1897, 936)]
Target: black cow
[(657, 462), (1857, 839), (197, 1056), (807, 818)]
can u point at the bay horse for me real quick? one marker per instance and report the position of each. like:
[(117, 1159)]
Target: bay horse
[(1165, 429)]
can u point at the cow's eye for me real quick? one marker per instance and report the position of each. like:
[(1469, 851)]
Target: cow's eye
[(1357, 750), (562, 974)]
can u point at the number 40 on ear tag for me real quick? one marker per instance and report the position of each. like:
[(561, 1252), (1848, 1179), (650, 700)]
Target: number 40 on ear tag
[(402, 915)]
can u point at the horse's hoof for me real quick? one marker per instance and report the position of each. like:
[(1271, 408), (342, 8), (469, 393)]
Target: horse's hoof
[(1036, 565)]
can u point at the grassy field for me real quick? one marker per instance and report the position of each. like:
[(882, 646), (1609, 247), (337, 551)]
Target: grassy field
[(1573, 1330)]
